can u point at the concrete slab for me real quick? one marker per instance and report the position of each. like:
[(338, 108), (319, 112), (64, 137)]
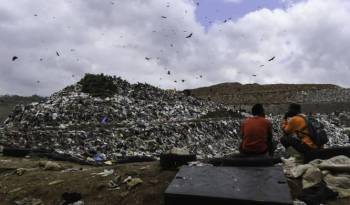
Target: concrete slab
[(229, 185)]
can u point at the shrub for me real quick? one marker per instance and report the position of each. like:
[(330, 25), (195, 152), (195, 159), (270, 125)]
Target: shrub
[(99, 85)]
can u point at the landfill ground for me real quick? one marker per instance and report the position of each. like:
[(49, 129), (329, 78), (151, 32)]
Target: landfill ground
[(94, 189), (34, 183)]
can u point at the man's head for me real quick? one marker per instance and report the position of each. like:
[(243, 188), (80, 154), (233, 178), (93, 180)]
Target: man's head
[(294, 109), (258, 110)]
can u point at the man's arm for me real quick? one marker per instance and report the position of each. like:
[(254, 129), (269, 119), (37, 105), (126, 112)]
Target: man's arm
[(288, 126)]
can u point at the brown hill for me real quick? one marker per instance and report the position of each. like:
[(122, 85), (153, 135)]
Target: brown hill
[(274, 94)]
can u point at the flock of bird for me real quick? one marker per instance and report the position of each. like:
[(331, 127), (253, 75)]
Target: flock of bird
[(190, 35)]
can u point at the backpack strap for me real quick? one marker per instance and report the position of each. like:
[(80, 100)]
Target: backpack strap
[(302, 130)]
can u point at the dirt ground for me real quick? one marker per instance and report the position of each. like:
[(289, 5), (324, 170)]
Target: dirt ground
[(94, 188), (35, 183)]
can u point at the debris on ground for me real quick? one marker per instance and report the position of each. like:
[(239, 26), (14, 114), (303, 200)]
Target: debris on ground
[(321, 177), (29, 201), (52, 166), (133, 182), (56, 182), (105, 173), (115, 183)]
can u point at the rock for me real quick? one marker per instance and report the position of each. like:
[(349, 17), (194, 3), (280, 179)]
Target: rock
[(52, 166), (20, 171)]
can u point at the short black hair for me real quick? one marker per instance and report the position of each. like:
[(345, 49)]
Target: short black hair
[(258, 109), (294, 108)]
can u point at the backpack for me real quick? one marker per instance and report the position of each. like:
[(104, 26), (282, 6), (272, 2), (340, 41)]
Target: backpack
[(316, 129)]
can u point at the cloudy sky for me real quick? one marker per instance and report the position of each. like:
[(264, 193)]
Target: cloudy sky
[(56, 42)]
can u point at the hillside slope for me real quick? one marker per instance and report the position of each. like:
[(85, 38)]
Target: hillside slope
[(319, 97)]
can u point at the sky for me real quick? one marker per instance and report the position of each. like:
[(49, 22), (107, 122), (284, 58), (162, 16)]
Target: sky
[(199, 42)]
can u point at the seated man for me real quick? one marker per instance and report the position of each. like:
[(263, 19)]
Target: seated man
[(296, 130), (256, 132)]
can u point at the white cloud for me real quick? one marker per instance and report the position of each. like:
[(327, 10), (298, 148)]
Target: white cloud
[(233, 1), (309, 40)]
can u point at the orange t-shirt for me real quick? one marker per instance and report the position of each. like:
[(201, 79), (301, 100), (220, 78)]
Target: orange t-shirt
[(255, 131), (297, 123)]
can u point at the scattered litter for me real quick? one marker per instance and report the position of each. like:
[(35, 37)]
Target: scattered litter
[(29, 201), (127, 179), (105, 173), (114, 184), (109, 163), (56, 182), (134, 182), (15, 190)]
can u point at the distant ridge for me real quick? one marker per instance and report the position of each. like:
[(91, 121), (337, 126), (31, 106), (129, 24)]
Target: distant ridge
[(272, 94)]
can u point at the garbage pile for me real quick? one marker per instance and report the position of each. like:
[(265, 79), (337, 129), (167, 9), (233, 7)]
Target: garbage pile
[(138, 120), (134, 120)]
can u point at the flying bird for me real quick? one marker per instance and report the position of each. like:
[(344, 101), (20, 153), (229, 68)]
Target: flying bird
[(147, 58), (201, 76), (58, 54), (262, 65), (175, 81), (273, 58), (183, 80), (164, 17), (254, 75), (35, 14), (189, 36), (14, 58), (168, 72), (38, 81), (41, 59)]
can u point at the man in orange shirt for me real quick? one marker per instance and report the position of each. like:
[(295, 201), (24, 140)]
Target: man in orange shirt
[(256, 132), (296, 130)]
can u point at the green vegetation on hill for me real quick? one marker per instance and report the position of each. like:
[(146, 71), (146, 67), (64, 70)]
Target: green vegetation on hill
[(98, 85)]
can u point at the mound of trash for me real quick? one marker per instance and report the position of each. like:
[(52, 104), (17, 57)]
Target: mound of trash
[(132, 120), (137, 120)]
